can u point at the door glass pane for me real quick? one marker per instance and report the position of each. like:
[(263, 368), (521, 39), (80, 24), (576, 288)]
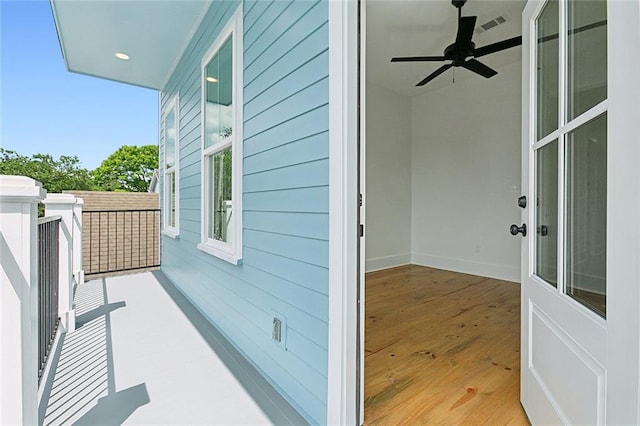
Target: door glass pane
[(547, 70), (586, 247), (587, 55), (546, 266)]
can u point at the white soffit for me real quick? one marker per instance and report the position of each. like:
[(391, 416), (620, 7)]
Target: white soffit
[(152, 33)]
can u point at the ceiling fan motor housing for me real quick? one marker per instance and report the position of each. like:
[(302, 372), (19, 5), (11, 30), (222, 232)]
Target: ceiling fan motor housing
[(458, 3), (457, 54)]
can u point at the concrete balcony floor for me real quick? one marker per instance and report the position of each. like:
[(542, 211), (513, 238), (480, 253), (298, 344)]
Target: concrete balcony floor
[(142, 354)]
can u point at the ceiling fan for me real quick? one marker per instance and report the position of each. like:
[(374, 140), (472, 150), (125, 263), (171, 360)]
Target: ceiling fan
[(463, 48)]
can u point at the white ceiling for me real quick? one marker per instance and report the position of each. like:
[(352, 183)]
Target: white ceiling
[(416, 28), (152, 33)]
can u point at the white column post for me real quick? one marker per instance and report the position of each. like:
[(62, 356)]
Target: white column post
[(78, 271), (63, 205), (19, 197)]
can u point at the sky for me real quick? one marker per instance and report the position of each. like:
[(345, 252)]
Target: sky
[(46, 109)]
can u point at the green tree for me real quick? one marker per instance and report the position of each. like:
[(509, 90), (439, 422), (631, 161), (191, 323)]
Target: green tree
[(55, 175), (128, 169)]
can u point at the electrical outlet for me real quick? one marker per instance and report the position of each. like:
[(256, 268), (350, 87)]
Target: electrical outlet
[(279, 330), (276, 334)]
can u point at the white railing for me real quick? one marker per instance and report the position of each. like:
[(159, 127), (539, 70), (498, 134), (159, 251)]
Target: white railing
[(19, 197)]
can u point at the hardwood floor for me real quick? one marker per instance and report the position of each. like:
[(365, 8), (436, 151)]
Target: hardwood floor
[(441, 348)]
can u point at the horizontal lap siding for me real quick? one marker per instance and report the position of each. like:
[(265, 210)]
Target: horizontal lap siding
[(285, 196)]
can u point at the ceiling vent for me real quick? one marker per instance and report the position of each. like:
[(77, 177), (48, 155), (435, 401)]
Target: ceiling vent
[(490, 24)]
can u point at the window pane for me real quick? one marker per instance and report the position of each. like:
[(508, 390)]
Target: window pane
[(212, 104), (587, 214), (547, 72), (587, 55), (219, 95), (226, 89), (170, 199), (220, 207), (173, 200), (546, 266), (170, 139)]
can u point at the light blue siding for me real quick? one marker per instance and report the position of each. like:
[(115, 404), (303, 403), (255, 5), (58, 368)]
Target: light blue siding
[(314, 173), (308, 123), (304, 274), (304, 150), (307, 200), (313, 71), (285, 195), (302, 224)]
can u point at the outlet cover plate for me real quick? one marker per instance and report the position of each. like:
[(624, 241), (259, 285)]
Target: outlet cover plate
[(283, 329)]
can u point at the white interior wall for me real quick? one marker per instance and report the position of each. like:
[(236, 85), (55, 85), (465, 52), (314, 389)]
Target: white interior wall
[(466, 175), (388, 178), (443, 176)]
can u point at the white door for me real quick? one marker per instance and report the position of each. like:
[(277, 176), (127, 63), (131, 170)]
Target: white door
[(581, 256)]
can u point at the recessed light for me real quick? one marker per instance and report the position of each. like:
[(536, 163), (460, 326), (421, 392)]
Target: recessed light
[(122, 56), (212, 79)]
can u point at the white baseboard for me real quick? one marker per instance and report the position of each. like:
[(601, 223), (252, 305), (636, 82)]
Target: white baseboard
[(377, 263), (501, 272)]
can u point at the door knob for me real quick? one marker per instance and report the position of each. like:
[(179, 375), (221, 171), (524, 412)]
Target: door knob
[(515, 229)]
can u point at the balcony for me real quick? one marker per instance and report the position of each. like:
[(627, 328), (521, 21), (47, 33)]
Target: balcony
[(111, 350), (142, 354)]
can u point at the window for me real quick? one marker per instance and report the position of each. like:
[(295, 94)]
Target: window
[(222, 144), (171, 159)]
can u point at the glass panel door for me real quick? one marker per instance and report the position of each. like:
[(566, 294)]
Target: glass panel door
[(580, 154)]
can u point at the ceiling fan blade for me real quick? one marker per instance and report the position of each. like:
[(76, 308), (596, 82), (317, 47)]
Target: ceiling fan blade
[(496, 47), (434, 74), (479, 68), (465, 30), (419, 59)]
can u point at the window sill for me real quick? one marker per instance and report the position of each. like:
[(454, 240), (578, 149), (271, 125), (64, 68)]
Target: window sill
[(170, 233), (221, 254)]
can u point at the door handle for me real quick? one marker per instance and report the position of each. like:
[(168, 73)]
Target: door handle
[(515, 229)]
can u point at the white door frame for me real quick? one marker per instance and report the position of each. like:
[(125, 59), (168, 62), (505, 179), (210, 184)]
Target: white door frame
[(623, 214), (362, 183), (342, 404)]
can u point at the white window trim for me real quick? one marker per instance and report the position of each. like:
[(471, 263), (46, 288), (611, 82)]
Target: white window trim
[(171, 231), (230, 252)]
